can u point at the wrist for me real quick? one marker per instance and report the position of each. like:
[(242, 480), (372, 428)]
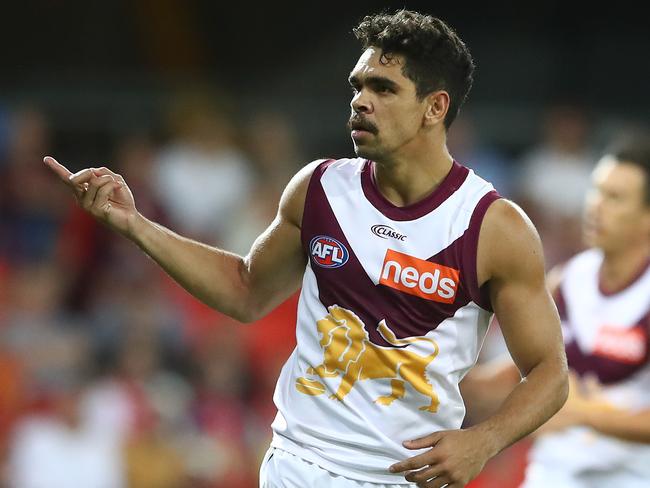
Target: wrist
[(489, 439), (134, 227)]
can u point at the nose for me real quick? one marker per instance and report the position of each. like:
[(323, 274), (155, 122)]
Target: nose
[(594, 199), (360, 103), (593, 203)]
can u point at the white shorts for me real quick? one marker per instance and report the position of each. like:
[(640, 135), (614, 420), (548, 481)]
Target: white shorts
[(281, 469)]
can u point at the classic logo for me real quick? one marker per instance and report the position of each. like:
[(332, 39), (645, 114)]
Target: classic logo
[(418, 277), (327, 252), (385, 231), (349, 354)]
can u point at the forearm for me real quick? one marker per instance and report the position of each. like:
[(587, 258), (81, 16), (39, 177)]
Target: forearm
[(214, 276), (623, 424), (531, 403)]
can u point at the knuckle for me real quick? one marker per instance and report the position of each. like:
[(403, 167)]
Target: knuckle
[(420, 477), (454, 477)]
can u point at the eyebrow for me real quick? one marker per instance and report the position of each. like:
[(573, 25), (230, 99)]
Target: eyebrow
[(373, 81)]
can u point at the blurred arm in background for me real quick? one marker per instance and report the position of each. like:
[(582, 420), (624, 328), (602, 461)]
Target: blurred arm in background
[(487, 386)]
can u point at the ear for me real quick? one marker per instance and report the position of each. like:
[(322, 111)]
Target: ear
[(437, 105)]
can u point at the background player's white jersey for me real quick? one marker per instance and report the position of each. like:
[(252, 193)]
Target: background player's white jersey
[(390, 319), (606, 335)]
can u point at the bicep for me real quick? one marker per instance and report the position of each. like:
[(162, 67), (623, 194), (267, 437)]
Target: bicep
[(274, 266), (529, 322), (521, 301)]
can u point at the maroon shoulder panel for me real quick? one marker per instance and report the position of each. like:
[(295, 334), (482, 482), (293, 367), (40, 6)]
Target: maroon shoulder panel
[(470, 247)]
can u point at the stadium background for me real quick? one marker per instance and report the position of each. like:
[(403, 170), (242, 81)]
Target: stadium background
[(110, 375)]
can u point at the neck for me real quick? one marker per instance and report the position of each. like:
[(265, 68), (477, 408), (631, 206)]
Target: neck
[(409, 177), (621, 267)]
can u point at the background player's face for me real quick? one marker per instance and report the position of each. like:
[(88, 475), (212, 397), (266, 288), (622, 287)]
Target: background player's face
[(386, 113), (616, 215)]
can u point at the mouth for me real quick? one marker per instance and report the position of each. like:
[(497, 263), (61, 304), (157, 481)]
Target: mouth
[(360, 128), (359, 133), (592, 227)]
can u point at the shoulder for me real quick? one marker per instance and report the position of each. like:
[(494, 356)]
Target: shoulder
[(292, 201), (509, 245), (504, 217)]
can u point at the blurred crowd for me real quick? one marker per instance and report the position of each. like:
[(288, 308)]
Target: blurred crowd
[(113, 376)]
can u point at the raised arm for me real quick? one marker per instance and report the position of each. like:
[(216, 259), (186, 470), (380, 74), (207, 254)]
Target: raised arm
[(244, 288)]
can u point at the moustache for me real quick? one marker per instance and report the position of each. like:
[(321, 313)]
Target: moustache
[(358, 123)]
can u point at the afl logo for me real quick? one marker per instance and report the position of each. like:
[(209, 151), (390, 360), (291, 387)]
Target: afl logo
[(327, 252)]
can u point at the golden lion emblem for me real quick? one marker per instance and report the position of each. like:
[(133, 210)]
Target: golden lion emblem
[(348, 353)]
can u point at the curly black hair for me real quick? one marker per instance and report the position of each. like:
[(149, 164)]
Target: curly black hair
[(435, 57)]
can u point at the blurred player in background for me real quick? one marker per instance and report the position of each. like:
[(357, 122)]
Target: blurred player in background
[(403, 255), (603, 296)]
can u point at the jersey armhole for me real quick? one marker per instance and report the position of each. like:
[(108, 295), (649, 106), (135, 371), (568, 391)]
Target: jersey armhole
[(314, 180), (479, 295)]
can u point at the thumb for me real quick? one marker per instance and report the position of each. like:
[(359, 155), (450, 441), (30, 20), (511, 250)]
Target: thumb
[(426, 441)]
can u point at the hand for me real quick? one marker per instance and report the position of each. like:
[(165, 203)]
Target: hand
[(455, 458), (101, 192)]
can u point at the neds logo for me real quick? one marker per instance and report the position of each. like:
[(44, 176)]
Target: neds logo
[(418, 277), (327, 252)]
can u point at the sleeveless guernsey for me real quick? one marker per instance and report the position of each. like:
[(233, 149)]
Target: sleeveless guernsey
[(390, 319)]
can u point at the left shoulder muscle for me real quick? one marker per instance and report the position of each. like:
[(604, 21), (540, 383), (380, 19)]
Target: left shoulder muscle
[(509, 247)]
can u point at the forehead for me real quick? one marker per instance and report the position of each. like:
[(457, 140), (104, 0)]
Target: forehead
[(620, 175), (371, 63)]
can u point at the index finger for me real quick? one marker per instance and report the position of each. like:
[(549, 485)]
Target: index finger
[(62, 172)]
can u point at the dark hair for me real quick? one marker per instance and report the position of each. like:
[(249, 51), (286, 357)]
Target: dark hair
[(634, 149), (435, 57)]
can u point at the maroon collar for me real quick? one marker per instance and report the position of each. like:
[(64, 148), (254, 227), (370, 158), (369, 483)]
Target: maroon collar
[(630, 282), (442, 192)]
